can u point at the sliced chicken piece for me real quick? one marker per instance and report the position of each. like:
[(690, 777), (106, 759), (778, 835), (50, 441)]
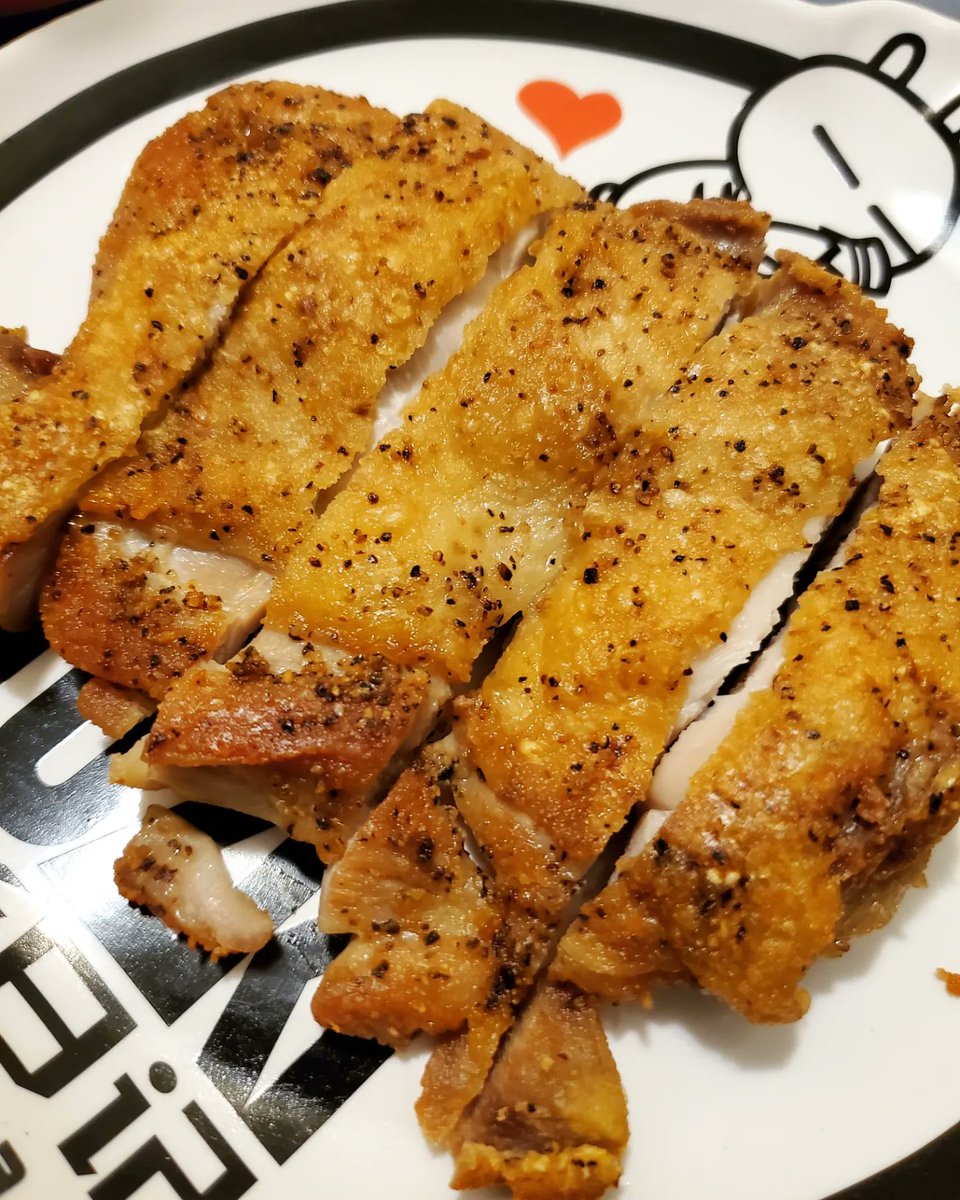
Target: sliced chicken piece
[(292, 389), (115, 710), (256, 154), (755, 443), (206, 205), (511, 432), (139, 612), (460, 516), (823, 802), (207, 785), (759, 443), (21, 368), (179, 874), (562, 738), (552, 1122), (403, 913)]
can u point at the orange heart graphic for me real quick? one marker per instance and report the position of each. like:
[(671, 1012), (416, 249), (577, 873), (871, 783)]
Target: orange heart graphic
[(569, 119)]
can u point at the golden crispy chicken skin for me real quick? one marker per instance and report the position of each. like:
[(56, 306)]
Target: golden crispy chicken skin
[(760, 439), (756, 444), (459, 516), (259, 152), (450, 527), (206, 204), (179, 874), (562, 737), (352, 295), (833, 785), (369, 706), (239, 461), (22, 367)]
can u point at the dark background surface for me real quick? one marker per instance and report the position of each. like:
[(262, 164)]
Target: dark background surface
[(13, 26)]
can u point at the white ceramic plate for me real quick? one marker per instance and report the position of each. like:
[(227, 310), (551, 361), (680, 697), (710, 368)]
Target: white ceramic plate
[(129, 1065)]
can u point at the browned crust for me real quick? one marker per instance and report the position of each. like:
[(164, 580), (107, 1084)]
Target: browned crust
[(437, 910), (206, 204), (122, 619), (822, 804), (734, 226), (429, 549), (855, 321), (245, 714), (625, 960), (284, 137), (112, 708), (940, 427), (567, 727), (354, 293)]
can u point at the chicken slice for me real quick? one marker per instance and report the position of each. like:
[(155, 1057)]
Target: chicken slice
[(733, 465), (404, 912), (293, 389), (562, 737), (206, 205), (115, 710), (461, 515), (179, 874), (823, 802), (21, 368), (138, 612), (207, 785), (564, 1140)]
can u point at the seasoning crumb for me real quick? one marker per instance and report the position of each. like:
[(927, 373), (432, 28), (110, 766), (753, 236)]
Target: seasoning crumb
[(951, 979)]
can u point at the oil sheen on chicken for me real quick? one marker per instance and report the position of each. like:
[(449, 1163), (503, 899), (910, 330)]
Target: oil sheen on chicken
[(832, 786), (293, 389), (461, 515), (206, 205)]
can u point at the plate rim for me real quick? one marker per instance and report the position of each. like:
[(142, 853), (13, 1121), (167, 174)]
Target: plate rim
[(939, 1159)]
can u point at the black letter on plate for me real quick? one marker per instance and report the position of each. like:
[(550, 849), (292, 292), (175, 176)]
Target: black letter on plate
[(313, 1087), (111, 1121), (153, 1158), (76, 1054), (11, 1168)]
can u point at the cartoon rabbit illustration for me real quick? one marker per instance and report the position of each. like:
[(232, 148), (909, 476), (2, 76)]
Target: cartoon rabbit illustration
[(857, 170)]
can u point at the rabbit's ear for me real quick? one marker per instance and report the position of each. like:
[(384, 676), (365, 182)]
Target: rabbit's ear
[(916, 51), (949, 116)]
